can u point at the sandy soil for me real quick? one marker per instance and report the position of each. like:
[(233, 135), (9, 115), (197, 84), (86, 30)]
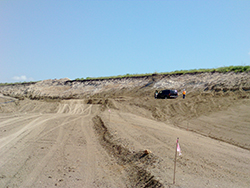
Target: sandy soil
[(100, 141)]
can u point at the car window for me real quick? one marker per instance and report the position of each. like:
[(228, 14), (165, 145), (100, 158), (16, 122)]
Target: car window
[(173, 91)]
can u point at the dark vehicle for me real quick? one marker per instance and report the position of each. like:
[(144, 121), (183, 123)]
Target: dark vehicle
[(165, 94)]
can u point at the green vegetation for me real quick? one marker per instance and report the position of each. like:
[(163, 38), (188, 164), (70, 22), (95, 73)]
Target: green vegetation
[(114, 77), (178, 72), (17, 83), (235, 69)]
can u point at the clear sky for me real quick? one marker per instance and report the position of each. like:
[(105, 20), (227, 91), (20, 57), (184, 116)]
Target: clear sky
[(48, 39)]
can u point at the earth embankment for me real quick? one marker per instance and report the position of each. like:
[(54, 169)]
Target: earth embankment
[(138, 86), (114, 133)]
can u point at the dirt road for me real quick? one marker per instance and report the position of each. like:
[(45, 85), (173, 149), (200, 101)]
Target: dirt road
[(55, 149), (102, 142)]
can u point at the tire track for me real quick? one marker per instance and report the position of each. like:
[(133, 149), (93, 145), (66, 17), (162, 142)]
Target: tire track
[(90, 161), (146, 139), (65, 116), (41, 163), (32, 172), (13, 141), (20, 133), (58, 145), (95, 160), (16, 119)]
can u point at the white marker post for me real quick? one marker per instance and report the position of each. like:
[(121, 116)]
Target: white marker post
[(175, 159)]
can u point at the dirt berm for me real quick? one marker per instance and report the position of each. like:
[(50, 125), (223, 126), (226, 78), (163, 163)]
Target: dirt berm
[(114, 133)]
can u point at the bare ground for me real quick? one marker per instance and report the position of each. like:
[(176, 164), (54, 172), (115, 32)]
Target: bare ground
[(99, 140)]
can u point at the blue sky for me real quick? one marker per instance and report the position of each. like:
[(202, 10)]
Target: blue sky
[(48, 39)]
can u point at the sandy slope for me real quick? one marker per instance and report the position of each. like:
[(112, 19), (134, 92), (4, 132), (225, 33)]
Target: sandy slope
[(47, 144), (100, 140), (56, 149)]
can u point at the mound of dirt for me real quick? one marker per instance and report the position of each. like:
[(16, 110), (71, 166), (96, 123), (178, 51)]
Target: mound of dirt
[(134, 87)]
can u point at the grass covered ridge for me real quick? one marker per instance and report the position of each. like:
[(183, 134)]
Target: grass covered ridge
[(15, 83), (235, 69)]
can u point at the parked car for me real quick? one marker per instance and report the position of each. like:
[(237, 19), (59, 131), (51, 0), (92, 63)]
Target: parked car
[(167, 93)]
